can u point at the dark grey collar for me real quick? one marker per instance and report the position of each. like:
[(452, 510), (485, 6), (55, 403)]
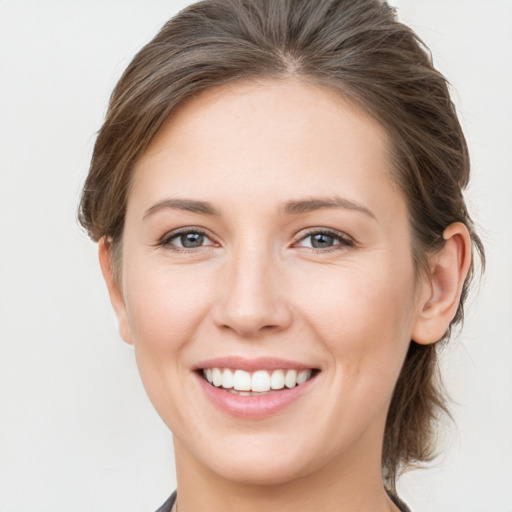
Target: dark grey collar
[(167, 506)]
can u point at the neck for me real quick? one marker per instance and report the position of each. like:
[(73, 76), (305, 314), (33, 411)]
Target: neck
[(353, 484)]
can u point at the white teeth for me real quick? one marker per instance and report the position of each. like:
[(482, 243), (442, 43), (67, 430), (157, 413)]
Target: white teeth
[(277, 379), (216, 377), (303, 376), (260, 381), (291, 378), (227, 379), (242, 381)]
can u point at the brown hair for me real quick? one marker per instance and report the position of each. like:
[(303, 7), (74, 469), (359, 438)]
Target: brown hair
[(356, 47)]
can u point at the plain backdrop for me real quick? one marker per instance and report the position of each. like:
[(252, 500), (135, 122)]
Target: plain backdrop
[(77, 432)]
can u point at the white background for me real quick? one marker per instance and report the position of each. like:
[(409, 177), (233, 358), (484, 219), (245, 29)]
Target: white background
[(77, 432)]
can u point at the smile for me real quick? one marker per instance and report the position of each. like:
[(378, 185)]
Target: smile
[(256, 383), (255, 389)]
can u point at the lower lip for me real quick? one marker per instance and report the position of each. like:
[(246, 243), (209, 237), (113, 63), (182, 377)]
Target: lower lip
[(254, 407)]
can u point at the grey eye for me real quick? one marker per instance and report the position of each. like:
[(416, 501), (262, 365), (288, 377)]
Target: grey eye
[(191, 240), (187, 239), (322, 240)]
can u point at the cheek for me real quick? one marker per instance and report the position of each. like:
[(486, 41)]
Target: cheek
[(364, 322), (165, 309), (364, 316), (165, 305)]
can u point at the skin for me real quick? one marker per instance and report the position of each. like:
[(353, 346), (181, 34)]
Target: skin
[(257, 287)]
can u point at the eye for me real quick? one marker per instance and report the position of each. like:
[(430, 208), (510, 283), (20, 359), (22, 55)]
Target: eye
[(325, 240), (191, 238)]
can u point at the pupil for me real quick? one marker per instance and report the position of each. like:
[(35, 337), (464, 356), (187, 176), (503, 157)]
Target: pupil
[(321, 240), (191, 240)]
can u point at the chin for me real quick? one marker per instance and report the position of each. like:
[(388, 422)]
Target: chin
[(259, 471), (256, 459)]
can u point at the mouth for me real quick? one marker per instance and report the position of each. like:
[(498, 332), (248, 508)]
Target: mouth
[(255, 389), (256, 383)]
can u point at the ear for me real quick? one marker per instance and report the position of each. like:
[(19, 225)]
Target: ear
[(441, 291), (114, 290)]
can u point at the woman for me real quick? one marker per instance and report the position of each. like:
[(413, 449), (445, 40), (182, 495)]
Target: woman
[(277, 196)]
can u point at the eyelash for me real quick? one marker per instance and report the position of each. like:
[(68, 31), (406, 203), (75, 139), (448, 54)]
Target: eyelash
[(166, 240), (343, 240)]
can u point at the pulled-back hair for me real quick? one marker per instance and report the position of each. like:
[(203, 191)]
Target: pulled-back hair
[(356, 47)]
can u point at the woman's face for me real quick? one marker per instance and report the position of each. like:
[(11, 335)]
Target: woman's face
[(264, 233)]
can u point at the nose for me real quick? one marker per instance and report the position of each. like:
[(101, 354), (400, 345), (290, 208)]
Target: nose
[(252, 295)]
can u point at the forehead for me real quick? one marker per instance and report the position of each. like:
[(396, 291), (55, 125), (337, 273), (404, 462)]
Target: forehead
[(248, 138)]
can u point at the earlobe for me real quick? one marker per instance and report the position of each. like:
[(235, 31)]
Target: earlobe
[(441, 292), (114, 290)]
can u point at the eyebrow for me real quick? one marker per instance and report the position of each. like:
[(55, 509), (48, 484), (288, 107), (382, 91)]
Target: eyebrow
[(289, 208), (312, 204), (189, 205)]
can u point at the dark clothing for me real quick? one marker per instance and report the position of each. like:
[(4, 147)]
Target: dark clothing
[(167, 506)]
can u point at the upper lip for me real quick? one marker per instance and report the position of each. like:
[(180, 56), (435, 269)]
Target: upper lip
[(259, 363)]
